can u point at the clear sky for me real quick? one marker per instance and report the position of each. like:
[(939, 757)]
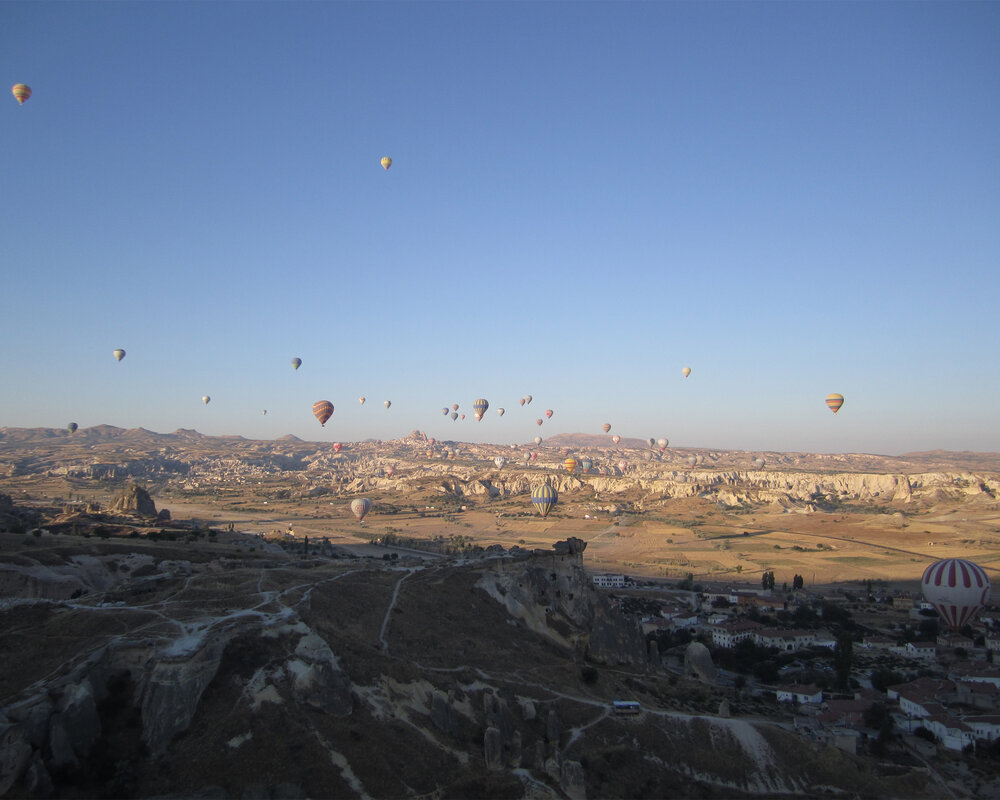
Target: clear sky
[(792, 199)]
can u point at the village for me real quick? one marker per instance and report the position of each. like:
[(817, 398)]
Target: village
[(850, 667)]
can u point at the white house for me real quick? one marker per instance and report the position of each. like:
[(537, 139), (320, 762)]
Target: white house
[(803, 695), (729, 634), (951, 731)]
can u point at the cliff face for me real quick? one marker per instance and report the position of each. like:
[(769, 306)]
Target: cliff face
[(731, 487), (553, 596)]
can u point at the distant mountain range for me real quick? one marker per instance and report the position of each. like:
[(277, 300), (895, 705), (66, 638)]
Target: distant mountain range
[(709, 458)]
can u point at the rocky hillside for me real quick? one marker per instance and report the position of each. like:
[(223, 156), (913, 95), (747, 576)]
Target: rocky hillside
[(137, 669)]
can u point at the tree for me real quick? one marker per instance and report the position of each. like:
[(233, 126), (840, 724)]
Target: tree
[(929, 629), (797, 582), (767, 580), (842, 660)]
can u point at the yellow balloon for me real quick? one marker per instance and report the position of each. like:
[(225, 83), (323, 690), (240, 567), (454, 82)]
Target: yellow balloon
[(386, 162)]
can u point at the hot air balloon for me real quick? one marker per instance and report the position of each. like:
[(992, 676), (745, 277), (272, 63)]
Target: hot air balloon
[(387, 403), (692, 460), (72, 427), (538, 440), (461, 416), (570, 464), (119, 354), (616, 438), (527, 399), (586, 464), (322, 410), (500, 461), (686, 371), (534, 455), (664, 443), (21, 92), (431, 441), (387, 162), (444, 411), (500, 412), (362, 400), (454, 415), (834, 402), (206, 399), (296, 363), (263, 412), (521, 401), (361, 507), (479, 408), (454, 407), (390, 472), (957, 589), (543, 498), (651, 442), (606, 427), (759, 463), (548, 414), (539, 421), (337, 447), (623, 465)]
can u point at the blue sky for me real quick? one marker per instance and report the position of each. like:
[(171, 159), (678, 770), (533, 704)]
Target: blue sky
[(792, 199)]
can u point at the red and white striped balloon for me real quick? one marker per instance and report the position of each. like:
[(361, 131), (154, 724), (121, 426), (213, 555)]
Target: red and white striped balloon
[(956, 588)]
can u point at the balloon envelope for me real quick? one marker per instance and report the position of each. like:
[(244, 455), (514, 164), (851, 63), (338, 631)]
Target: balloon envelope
[(454, 415), (72, 427), (521, 401), (322, 410), (664, 443), (296, 363), (387, 162), (543, 498), (479, 407), (500, 412), (686, 371), (361, 507), (206, 399), (570, 464), (119, 354), (616, 438), (548, 413), (527, 399), (586, 464), (362, 400), (337, 447), (538, 440), (539, 421), (957, 589), (834, 402), (21, 92), (500, 461), (387, 403)]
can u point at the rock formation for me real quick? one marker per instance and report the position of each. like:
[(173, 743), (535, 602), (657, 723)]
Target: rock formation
[(698, 663), (134, 500)]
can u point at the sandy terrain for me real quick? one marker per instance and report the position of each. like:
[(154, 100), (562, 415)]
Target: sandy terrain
[(693, 538)]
